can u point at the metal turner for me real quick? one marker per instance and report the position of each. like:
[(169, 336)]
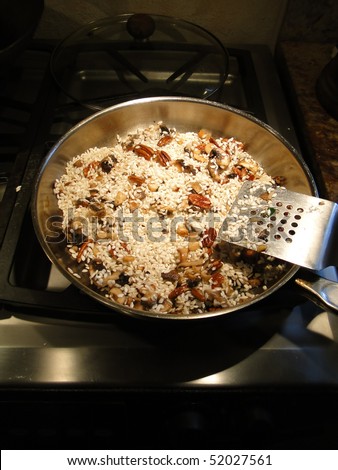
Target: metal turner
[(293, 227)]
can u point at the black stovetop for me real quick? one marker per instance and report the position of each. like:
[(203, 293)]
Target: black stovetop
[(44, 315), (54, 338)]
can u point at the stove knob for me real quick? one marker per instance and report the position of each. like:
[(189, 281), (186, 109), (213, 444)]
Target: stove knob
[(140, 26)]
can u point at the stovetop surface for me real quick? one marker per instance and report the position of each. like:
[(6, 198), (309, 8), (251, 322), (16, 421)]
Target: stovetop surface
[(52, 335)]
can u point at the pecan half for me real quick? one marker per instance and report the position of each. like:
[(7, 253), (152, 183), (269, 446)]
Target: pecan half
[(166, 139), (178, 291), (200, 201), (138, 180), (217, 280), (208, 237), (144, 151), (162, 157), (197, 294), (83, 247), (215, 266)]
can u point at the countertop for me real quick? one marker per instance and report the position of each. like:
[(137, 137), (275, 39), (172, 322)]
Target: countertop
[(304, 61)]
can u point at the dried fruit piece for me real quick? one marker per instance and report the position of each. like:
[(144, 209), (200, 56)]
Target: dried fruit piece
[(171, 276), (193, 282), (194, 245), (183, 253), (123, 279), (182, 231), (153, 186), (164, 129), (196, 187), (280, 180), (133, 205), (107, 164), (204, 134), (198, 156), (88, 168), (128, 258), (97, 208), (254, 282), (266, 196), (200, 201), (120, 198), (97, 263)]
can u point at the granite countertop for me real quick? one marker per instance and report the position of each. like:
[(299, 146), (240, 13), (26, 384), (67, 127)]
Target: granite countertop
[(304, 63)]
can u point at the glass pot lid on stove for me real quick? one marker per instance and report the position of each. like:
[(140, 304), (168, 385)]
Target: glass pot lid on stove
[(127, 56)]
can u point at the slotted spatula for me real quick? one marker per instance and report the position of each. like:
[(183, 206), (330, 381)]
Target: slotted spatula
[(293, 227)]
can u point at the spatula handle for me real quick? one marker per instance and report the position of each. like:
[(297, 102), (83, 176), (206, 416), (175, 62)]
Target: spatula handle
[(323, 289)]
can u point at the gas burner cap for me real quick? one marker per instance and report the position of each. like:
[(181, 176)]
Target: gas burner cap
[(131, 56)]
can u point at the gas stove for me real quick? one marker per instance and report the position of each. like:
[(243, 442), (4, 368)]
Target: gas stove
[(82, 373)]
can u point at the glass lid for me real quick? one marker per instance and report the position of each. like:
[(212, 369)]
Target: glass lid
[(132, 55)]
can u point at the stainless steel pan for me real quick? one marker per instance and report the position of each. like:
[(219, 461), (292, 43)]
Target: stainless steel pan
[(276, 155)]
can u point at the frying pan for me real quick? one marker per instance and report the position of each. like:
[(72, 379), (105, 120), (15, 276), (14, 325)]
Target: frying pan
[(18, 21), (269, 148)]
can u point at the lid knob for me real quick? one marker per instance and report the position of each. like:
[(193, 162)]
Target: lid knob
[(140, 26)]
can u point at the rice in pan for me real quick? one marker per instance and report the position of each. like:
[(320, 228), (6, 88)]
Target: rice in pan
[(144, 218)]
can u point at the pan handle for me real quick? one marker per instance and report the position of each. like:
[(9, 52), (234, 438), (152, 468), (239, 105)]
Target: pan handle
[(323, 289)]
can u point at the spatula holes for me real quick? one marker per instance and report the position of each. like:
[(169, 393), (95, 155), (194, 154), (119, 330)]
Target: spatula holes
[(300, 209), (294, 224), (297, 217), (289, 206), (288, 240), (280, 229), (277, 236), (292, 232), (283, 221), (279, 204)]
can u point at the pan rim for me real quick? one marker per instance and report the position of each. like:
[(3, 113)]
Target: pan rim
[(143, 313)]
